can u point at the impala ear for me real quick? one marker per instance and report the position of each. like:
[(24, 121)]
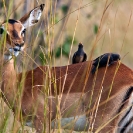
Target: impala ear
[(32, 17)]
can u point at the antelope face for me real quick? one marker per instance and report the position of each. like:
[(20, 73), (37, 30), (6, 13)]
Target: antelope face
[(15, 32)]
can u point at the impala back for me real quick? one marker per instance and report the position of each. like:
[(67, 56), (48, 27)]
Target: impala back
[(79, 97)]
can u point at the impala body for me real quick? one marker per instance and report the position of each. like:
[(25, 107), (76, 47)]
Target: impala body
[(77, 92), (102, 100)]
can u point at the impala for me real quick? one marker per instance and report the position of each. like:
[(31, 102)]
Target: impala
[(69, 96)]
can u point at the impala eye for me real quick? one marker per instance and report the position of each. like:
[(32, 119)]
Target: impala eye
[(1, 30), (23, 32)]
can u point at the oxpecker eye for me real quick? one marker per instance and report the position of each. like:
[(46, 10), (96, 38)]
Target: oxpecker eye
[(1, 30)]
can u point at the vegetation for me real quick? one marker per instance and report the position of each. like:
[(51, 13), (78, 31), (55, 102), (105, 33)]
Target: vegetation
[(63, 25)]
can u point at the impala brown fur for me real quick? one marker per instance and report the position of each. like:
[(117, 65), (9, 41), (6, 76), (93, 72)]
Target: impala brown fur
[(14, 33), (12, 42), (36, 81), (46, 93), (115, 84)]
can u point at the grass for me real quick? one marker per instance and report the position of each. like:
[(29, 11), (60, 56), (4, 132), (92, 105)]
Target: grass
[(114, 35)]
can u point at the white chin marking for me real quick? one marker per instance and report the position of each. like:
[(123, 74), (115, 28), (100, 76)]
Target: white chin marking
[(11, 50), (22, 48), (17, 47), (15, 53)]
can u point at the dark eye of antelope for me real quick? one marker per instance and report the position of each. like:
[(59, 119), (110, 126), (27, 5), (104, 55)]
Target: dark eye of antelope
[(1, 30), (23, 32)]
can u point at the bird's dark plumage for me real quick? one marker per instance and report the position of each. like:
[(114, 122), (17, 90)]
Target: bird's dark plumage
[(102, 60), (80, 55)]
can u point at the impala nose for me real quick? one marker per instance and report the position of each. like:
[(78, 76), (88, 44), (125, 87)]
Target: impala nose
[(19, 45)]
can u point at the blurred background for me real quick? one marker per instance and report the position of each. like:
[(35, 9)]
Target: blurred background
[(101, 25), (65, 23)]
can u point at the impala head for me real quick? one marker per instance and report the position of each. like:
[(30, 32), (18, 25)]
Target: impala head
[(15, 31)]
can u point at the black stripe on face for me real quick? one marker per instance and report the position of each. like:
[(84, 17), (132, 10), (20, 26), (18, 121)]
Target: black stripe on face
[(15, 34)]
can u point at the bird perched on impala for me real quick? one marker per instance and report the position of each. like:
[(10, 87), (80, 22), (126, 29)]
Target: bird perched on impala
[(103, 60), (80, 55)]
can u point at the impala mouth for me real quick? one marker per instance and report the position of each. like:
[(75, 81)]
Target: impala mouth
[(17, 48), (12, 52), (15, 51)]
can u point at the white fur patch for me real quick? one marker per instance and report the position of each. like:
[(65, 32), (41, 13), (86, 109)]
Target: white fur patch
[(33, 18), (12, 52), (21, 31), (78, 123), (15, 53), (29, 124)]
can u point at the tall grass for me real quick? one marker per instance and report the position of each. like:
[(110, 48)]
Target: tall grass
[(98, 24)]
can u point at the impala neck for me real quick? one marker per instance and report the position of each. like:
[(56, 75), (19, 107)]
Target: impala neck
[(9, 77)]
